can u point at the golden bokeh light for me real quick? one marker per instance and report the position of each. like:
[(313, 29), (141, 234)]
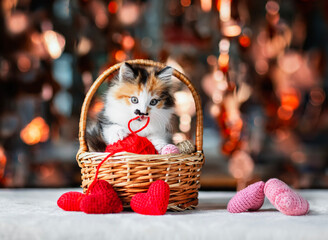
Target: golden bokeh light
[(223, 62), (225, 10), (120, 56), (206, 5), (36, 131), (128, 42), (231, 30), (54, 43)]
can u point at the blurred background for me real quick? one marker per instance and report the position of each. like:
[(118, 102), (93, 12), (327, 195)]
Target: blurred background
[(259, 66)]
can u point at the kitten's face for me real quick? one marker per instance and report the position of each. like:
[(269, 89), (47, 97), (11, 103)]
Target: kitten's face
[(141, 92)]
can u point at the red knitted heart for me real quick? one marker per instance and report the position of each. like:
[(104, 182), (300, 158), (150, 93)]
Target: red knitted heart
[(102, 199), (154, 202), (70, 201)]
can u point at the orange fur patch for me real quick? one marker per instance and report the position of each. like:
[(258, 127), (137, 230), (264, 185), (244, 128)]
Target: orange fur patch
[(154, 85), (160, 104), (126, 91)]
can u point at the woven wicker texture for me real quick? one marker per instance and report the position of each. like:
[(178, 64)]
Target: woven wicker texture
[(133, 173)]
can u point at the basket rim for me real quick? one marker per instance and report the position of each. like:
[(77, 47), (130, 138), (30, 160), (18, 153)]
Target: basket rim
[(126, 157), (144, 62)]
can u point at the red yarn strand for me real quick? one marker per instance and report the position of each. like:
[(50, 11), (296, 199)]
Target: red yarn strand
[(97, 171), (112, 153), (133, 119)]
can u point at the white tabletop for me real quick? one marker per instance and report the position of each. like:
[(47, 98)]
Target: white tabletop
[(33, 214)]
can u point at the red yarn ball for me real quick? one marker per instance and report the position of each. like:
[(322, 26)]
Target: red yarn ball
[(133, 144)]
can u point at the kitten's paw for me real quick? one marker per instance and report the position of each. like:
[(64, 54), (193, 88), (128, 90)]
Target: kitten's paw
[(158, 144), (114, 134), (122, 133)]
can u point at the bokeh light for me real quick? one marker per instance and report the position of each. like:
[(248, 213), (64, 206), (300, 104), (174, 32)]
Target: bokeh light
[(129, 13), (128, 42), (112, 7), (185, 3), (17, 22), (54, 43), (36, 131), (206, 5), (225, 10), (231, 30), (244, 41), (24, 63), (223, 62), (120, 55), (285, 112), (3, 161), (317, 96)]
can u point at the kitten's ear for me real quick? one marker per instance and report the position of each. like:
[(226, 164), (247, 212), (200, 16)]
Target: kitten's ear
[(165, 74), (127, 73)]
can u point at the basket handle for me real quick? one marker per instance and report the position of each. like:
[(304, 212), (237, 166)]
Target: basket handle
[(144, 62)]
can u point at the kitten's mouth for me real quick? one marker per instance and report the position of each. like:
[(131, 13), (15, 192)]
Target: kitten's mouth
[(142, 117)]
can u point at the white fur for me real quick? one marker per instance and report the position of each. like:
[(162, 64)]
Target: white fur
[(119, 113)]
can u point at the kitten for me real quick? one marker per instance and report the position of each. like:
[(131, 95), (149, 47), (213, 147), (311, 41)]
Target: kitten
[(136, 91)]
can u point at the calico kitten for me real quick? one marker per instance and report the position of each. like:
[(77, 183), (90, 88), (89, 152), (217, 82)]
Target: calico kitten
[(136, 91)]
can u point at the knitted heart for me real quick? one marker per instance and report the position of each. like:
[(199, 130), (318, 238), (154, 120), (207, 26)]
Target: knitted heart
[(70, 201), (102, 199), (154, 202), (250, 198), (285, 199)]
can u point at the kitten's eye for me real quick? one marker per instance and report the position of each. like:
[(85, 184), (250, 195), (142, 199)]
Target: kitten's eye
[(134, 100), (153, 102)]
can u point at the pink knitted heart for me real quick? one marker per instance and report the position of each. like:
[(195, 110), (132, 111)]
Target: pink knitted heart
[(285, 199), (250, 198)]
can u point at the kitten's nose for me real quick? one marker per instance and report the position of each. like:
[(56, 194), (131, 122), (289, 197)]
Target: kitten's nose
[(138, 112)]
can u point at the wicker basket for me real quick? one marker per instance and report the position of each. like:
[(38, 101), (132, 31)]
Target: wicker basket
[(133, 173)]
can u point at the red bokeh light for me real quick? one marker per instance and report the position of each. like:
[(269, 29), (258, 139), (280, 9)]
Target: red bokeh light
[(244, 41), (112, 7)]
